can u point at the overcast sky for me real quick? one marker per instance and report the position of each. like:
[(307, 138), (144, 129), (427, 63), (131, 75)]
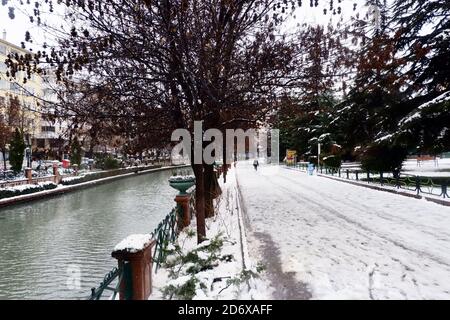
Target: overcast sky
[(17, 27)]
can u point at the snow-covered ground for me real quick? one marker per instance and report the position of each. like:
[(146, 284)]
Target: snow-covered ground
[(428, 168), (425, 168), (324, 239), (219, 268)]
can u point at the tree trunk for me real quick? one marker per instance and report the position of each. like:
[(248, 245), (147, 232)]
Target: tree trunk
[(225, 171), (224, 160), (200, 201), (209, 190), (4, 159)]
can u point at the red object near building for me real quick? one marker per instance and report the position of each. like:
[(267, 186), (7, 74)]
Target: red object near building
[(66, 164)]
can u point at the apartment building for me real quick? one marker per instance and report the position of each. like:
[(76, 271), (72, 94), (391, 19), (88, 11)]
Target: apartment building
[(45, 138), (25, 93)]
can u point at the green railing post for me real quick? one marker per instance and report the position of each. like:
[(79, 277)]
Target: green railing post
[(127, 282), (418, 185), (115, 273)]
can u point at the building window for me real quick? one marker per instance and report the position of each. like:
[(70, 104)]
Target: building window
[(4, 85), (3, 49), (14, 87), (40, 143), (55, 143), (48, 129), (3, 67)]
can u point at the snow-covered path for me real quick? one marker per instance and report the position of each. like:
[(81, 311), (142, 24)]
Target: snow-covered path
[(345, 241)]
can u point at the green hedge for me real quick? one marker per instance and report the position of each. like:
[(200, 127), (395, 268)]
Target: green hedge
[(383, 158), (333, 161), (8, 193), (107, 163)]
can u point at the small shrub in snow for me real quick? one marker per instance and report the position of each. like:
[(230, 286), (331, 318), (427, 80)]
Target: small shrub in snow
[(244, 276), (184, 268), (185, 291), (190, 233)]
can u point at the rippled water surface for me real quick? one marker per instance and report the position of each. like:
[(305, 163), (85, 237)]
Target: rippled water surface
[(43, 242)]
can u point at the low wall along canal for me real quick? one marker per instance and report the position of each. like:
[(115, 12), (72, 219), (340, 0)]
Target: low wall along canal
[(60, 247)]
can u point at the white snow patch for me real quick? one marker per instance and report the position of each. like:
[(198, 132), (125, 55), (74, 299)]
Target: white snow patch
[(134, 243), (442, 98), (385, 137), (349, 242)]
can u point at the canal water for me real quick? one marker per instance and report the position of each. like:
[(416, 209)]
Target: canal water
[(47, 245)]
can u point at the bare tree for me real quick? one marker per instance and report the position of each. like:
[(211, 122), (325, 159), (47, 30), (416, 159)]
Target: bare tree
[(161, 65)]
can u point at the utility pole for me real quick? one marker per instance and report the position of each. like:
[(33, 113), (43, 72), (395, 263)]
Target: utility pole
[(318, 158)]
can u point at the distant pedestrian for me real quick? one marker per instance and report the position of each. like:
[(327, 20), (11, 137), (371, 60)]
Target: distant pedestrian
[(396, 173), (256, 164)]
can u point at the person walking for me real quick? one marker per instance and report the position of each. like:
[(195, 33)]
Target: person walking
[(256, 164)]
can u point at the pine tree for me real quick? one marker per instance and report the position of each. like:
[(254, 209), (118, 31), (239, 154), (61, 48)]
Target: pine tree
[(424, 40), (369, 114), (304, 118), (17, 151), (75, 154)]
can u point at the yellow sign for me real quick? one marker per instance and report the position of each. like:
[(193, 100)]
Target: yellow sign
[(291, 155)]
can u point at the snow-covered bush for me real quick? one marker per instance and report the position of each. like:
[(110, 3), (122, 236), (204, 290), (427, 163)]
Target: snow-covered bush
[(26, 189), (68, 181), (192, 273), (184, 266)]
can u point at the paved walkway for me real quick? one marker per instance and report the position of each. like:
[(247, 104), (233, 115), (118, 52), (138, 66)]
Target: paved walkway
[(321, 238)]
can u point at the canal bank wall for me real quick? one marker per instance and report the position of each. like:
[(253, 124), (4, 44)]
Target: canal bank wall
[(62, 189)]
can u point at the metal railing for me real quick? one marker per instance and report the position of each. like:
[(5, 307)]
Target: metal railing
[(412, 183), (97, 293), (165, 233)]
